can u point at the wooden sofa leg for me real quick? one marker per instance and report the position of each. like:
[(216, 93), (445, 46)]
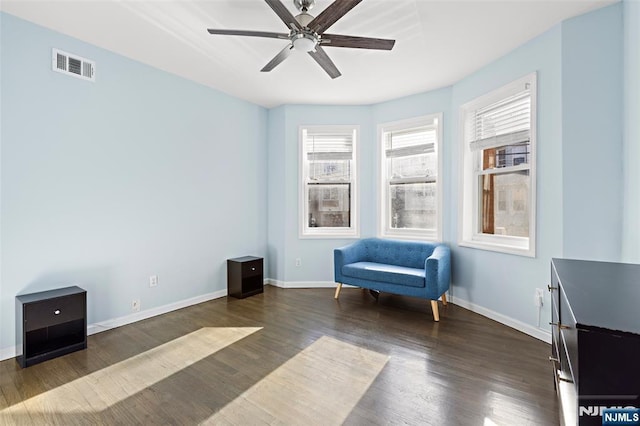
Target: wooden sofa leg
[(434, 308), (444, 299), (338, 288)]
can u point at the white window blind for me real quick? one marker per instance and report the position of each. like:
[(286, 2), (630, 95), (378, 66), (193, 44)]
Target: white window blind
[(328, 146), (329, 155), (503, 123), (420, 140)]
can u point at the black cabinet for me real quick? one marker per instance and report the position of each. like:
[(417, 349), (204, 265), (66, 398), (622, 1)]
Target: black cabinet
[(244, 276), (595, 338), (50, 323)]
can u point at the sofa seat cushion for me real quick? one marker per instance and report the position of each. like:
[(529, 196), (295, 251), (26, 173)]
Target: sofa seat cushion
[(385, 273)]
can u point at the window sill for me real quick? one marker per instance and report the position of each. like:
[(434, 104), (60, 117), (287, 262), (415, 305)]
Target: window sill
[(500, 248), (416, 236), (329, 235)]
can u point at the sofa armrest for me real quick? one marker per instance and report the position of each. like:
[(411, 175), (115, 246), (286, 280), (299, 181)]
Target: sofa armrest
[(351, 253), (438, 271)]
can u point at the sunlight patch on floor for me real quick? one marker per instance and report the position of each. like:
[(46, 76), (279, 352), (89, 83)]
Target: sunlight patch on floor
[(104, 388), (320, 385), (503, 405)]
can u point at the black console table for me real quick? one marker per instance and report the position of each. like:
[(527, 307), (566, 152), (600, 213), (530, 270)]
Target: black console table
[(244, 276), (50, 323), (595, 338)]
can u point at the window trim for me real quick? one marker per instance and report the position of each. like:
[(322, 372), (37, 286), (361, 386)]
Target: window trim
[(304, 230), (383, 229), (468, 211)]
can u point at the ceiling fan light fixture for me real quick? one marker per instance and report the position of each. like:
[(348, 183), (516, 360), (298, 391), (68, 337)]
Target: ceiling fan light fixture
[(304, 42)]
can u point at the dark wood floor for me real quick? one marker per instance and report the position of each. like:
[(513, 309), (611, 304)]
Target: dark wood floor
[(464, 370)]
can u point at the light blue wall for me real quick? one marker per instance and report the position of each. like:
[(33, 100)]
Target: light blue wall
[(631, 210), (107, 183), (316, 255), (500, 282), (592, 78), (277, 211)]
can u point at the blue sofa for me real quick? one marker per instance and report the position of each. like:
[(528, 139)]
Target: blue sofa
[(409, 268)]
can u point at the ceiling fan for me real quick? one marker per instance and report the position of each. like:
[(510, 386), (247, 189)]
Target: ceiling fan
[(307, 33)]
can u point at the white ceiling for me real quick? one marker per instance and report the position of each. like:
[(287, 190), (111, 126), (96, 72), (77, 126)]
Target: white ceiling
[(437, 42)]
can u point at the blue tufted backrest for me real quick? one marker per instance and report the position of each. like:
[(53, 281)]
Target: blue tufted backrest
[(411, 254)]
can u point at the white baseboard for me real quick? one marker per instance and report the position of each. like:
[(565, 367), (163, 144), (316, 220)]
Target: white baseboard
[(138, 316), (11, 352), (532, 331)]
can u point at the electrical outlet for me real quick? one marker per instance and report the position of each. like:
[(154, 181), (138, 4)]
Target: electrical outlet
[(539, 297), (153, 280), (298, 262), (135, 305)]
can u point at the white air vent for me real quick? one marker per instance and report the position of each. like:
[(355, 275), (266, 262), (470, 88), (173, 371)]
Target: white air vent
[(74, 65)]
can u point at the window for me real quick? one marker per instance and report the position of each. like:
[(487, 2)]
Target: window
[(410, 191), (498, 159), (328, 193)]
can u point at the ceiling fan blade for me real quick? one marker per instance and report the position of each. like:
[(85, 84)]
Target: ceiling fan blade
[(284, 53), (331, 14), (284, 14), (249, 33), (335, 40), (325, 62)]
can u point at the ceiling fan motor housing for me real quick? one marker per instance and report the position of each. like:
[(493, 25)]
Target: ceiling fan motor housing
[(304, 19)]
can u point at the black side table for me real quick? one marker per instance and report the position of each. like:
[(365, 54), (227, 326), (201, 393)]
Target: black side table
[(244, 276), (50, 323)]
